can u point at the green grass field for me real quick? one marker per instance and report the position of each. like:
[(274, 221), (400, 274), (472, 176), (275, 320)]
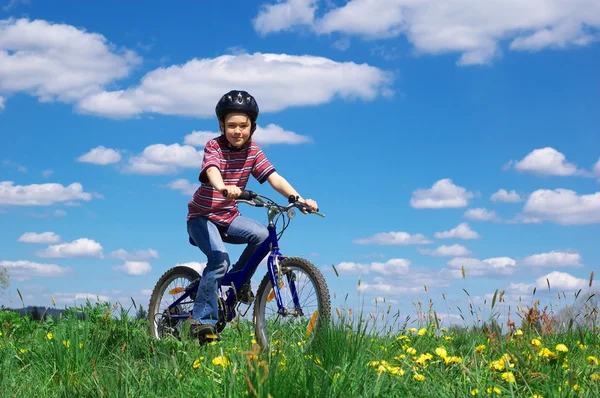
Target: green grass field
[(108, 355)]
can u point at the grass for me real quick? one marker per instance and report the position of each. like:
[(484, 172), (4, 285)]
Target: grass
[(108, 355)]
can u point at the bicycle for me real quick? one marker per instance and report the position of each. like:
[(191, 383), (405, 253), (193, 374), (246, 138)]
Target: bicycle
[(281, 280)]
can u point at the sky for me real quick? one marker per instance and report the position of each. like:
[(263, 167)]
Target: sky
[(434, 136)]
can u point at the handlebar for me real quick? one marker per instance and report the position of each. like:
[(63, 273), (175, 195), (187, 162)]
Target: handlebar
[(254, 199)]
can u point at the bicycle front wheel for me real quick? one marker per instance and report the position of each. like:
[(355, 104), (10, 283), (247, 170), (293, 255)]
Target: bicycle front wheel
[(298, 325)]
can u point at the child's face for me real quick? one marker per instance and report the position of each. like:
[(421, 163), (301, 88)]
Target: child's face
[(237, 128)]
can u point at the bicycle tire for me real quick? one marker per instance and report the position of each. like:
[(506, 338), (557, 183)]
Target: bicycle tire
[(176, 272), (265, 288)]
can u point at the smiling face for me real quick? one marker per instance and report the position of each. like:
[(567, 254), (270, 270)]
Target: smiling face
[(237, 127)]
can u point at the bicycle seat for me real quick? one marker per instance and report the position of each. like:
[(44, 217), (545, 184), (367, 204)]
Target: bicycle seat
[(223, 234)]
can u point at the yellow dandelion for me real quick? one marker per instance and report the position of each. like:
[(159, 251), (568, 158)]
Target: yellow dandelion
[(400, 357), (495, 389), (447, 338), (23, 350), (537, 396), (536, 342), (508, 376), (67, 343), (441, 352), (412, 330), (403, 337), (423, 358), (80, 345), (196, 363), (452, 360), (474, 392), (576, 387), (422, 332), (519, 333), (411, 350), (561, 348), (546, 353), (49, 336), (592, 360), (221, 361), (595, 377), (480, 348), (418, 377)]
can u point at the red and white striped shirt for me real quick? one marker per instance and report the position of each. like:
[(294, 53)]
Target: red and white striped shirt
[(235, 166)]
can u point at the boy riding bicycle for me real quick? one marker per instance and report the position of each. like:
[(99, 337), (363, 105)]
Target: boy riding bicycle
[(213, 217)]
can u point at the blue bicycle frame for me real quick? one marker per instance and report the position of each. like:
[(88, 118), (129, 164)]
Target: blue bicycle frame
[(235, 280)]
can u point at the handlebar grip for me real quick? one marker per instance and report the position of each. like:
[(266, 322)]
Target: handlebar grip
[(246, 194)]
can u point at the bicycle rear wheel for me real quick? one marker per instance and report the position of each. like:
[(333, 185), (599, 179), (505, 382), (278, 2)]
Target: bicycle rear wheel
[(170, 286), (298, 326)]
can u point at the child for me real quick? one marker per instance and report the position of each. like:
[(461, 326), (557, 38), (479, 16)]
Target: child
[(228, 162)]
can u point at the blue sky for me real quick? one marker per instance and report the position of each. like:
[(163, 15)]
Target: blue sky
[(431, 137)]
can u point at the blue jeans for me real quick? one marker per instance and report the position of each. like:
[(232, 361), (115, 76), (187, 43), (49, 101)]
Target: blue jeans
[(206, 235)]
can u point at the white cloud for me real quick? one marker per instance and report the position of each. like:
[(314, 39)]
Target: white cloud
[(269, 135), (47, 173), (159, 159), (25, 270), (563, 206), (481, 214), (461, 231), (284, 15), (597, 169), (193, 264), (447, 251), (561, 281), (520, 288), (40, 194), (390, 289), (82, 247), (393, 238), (555, 258), (488, 267), (135, 268), (278, 81), (409, 283), (469, 27), (184, 186), (394, 266), (2, 99), (502, 195), (138, 255), (547, 161), (73, 298), (58, 61), (442, 194), (101, 156), (44, 237)]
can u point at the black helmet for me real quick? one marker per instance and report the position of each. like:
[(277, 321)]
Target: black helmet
[(237, 100)]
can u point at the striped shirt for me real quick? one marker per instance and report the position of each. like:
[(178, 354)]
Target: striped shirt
[(235, 166)]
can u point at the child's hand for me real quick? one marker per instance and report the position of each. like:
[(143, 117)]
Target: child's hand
[(231, 192), (312, 205)]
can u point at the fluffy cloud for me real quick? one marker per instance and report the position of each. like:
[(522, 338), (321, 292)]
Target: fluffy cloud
[(447, 251), (563, 206), (2, 99), (193, 88), (159, 159), (555, 258), (271, 134), (58, 61), (78, 298), (461, 231), (394, 266), (502, 195), (101, 156), (82, 247), (134, 268), (184, 186), (547, 161), (469, 27), (138, 255), (25, 270), (442, 194), (488, 267), (44, 237), (40, 194), (411, 283), (393, 238), (560, 281), (481, 214), (597, 169)]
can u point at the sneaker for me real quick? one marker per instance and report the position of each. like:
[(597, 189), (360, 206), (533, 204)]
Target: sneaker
[(204, 333), (245, 294)]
